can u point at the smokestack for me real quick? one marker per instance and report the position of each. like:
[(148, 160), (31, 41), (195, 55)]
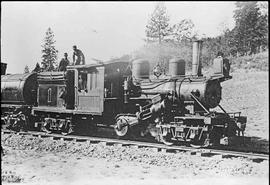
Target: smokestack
[(196, 58)]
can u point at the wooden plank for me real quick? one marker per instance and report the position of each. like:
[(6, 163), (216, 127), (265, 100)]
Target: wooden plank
[(168, 150), (153, 149)]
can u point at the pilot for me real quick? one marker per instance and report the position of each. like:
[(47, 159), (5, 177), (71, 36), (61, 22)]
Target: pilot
[(78, 54)]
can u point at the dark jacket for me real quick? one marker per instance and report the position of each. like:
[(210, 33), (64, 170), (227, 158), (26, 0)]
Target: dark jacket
[(63, 64)]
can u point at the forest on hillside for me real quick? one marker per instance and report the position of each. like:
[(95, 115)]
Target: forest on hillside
[(246, 45), (243, 45)]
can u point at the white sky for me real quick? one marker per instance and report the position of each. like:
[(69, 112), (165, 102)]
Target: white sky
[(100, 29)]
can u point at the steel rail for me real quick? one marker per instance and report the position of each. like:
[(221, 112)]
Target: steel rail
[(256, 157)]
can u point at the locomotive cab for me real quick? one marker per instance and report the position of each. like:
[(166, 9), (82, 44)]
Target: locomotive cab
[(87, 90)]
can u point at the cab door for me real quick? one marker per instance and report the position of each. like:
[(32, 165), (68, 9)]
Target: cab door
[(91, 90)]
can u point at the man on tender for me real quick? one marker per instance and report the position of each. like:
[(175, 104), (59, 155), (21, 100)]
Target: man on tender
[(64, 63), (79, 56)]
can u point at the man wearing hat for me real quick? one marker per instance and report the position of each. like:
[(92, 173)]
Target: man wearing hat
[(80, 60), (64, 63)]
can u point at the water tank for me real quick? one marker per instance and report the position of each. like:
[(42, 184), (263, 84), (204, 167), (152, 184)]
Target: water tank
[(176, 67), (140, 69), (19, 88)]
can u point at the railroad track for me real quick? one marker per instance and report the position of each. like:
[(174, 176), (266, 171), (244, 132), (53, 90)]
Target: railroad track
[(255, 157)]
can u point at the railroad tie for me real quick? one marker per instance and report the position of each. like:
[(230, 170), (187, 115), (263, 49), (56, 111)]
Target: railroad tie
[(257, 160), (118, 144), (155, 149), (103, 143), (168, 150), (136, 146)]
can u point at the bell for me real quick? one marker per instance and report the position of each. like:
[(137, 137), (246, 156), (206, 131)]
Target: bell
[(157, 71)]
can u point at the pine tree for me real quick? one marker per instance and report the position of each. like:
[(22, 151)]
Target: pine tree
[(49, 53), (26, 69), (37, 68), (158, 25), (251, 30), (183, 30), (263, 7)]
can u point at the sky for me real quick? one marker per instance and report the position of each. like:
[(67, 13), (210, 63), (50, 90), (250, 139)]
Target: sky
[(102, 30)]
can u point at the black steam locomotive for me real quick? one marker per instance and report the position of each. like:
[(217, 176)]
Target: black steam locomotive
[(122, 95)]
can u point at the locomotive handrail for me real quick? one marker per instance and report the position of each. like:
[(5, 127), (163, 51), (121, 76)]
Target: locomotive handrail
[(161, 83), (199, 103), (223, 110), (164, 92)]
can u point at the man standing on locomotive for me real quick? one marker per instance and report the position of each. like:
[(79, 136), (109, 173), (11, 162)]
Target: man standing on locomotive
[(80, 56), (63, 63)]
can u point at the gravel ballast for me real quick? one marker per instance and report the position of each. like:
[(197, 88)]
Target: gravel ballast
[(184, 163)]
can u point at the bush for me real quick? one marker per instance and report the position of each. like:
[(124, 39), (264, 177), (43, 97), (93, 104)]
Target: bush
[(155, 53), (253, 62)]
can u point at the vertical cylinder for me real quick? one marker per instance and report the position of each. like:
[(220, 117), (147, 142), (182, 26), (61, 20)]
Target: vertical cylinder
[(196, 58), (3, 68), (177, 67), (140, 69)]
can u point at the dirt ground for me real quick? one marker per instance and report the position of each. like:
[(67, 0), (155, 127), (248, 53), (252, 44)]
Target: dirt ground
[(34, 161), (248, 92)]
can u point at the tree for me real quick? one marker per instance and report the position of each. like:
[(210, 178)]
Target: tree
[(26, 69), (251, 30), (158, 25), (183, 30), (49, 53), (37, 68), (263, 7)]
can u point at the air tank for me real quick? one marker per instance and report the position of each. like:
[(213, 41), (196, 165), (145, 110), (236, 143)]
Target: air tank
[(140, 69), (176, 67), (196, 58)]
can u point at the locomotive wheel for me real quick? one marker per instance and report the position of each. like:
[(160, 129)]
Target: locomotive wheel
[(45, 127), (165, 139), (122, 132), (121, 128), (18, 125), (25, 123), (203, 143), (198, 145), (68, 130)]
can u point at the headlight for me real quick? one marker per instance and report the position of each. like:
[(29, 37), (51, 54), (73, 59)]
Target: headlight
[(207, 121)]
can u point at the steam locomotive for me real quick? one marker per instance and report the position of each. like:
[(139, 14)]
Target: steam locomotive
[(122, 95)]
